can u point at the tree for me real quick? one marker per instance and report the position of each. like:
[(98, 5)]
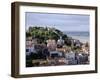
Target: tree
[(43, 34), (28, 34)]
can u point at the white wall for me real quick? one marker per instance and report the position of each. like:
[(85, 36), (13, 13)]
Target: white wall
[(5, 40)]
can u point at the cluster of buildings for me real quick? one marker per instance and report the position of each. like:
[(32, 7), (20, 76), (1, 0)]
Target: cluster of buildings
[(56, 53)]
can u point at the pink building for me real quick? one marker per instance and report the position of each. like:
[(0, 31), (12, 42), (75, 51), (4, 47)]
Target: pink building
[(51, 44)]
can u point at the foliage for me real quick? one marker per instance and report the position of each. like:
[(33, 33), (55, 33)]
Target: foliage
[(45, 33)]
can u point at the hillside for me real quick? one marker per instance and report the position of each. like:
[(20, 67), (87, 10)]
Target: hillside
[(45, 33)]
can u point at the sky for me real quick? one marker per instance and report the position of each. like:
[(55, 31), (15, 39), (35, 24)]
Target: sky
[(63, 22)]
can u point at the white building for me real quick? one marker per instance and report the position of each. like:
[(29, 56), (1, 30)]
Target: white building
[(70, 55), (30, 45), (60, 41)]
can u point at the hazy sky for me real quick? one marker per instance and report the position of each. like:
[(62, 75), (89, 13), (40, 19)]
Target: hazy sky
[(63, 22)]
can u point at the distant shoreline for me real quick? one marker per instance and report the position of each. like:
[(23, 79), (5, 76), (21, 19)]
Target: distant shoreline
[(82, 36)]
